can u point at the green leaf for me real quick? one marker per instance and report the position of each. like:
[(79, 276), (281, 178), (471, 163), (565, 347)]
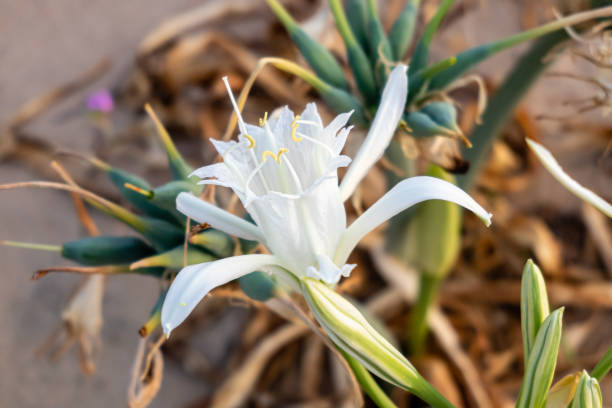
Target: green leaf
[(421, 52), (356, 15), (503, 103), (179, 167), (534, 305), (542, 361), (470, 58), (357, 58), (105, 250), (402, 31), (588, 393), (380, 49), (603, 366), (318, 57)]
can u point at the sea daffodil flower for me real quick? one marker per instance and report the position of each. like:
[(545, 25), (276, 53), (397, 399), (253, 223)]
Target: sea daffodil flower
[(284, 172)]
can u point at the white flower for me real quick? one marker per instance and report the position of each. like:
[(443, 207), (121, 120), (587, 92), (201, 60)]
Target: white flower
[(285, 174)]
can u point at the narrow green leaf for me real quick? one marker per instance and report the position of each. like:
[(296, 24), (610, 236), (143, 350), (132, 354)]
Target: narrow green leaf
[(356, 15), (470, 58), (357, 58), (338, 99), (421, 52), (500, 107), (588, 393), (603, 366), (534, 305), (318, 57), (542, 361), (402, 31), (179, 167), (380, 49)]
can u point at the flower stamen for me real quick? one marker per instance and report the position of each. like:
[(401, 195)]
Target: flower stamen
[(250, 139), (264, 120), (294, 127), (275, 157)]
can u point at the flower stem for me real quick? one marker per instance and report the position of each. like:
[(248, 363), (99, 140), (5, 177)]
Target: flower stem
[(428, 291), (368, 383)]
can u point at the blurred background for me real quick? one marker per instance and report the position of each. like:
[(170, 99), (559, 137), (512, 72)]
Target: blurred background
[(173, 54)]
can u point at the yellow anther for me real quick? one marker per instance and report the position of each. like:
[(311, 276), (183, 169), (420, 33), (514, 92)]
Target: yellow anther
[(250, 139), (275, 157), (267, 153), (294, 127), (182, 304), (280, 152), (264, 120)]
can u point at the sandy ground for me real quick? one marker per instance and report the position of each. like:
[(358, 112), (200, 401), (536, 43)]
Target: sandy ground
[(44, 44)]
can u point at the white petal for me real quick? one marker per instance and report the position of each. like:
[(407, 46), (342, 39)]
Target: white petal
[(383, 127), (201, 211), (195, 281), (327, 271), (405, 194), (548, 160)]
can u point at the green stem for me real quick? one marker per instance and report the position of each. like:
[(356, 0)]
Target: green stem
[(428, 291), (504, 101), (368, 383), (603, 367), (29, 245)]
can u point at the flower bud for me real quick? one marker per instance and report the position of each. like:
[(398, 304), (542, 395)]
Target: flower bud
[(352, 333), (588, 393)]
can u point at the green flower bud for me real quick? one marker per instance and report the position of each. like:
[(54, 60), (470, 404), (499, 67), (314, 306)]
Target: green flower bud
[(214, 241), (542, 361), (105, 250), (534, 305), (352, 333), (588, 393), (258, 286), (435, 232), (175, 258)]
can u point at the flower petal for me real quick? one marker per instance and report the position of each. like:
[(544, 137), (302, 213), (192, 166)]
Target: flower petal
[(195, 281), (383, 127), (548, 160), (201, 211), (405, 194)]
